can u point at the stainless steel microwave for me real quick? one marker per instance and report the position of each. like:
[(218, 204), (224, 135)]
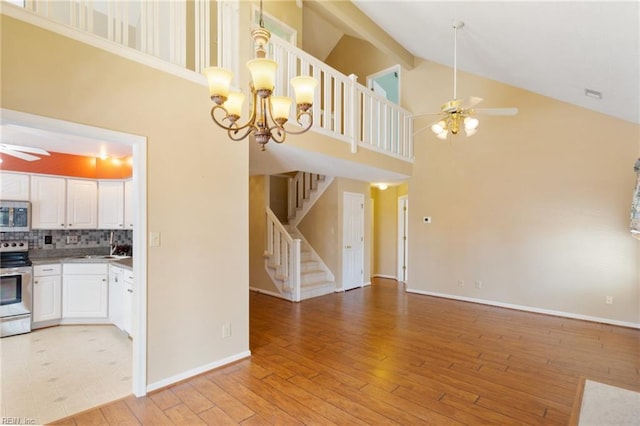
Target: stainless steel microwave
[(15, 216)]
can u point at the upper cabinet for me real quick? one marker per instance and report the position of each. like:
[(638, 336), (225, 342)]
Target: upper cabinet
[(48, 202), (82, 204), (128, 204), (14, 186), (59, 203), (111, 205)]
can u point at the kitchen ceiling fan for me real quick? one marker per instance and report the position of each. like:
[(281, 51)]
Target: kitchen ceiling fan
[(457, 115), (22, 152)]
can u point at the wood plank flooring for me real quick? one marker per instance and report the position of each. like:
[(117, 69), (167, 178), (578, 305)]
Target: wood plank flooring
[(378, 355)]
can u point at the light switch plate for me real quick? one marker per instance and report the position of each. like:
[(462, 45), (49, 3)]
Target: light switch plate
[(154, 239)]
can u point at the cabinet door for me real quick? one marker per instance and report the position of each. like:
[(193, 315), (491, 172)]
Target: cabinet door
[(48, 195), (82, 204), (116, 297), (47, 298), (84, 296), (128, 204), (128, 302), (14, 186), (111, 205)]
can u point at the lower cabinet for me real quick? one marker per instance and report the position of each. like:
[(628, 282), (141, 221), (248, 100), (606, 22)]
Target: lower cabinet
[(128, 302), (84, 290), (47, 293), (116, 296)]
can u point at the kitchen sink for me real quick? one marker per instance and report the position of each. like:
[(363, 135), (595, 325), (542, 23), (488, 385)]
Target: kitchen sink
[(100, 256)]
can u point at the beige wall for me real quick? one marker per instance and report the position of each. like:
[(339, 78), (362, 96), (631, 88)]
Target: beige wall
[(385, 228), (258, 277), (534, 206), (198, 277), (352, 56), (322, 226)]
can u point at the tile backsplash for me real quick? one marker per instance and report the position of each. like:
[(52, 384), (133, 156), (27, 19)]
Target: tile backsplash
[(87, 238)]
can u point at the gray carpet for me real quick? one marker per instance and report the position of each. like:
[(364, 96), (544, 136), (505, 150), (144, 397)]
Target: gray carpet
[(608, 405)]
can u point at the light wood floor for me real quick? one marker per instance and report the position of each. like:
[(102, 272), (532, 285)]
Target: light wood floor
[(381, 356)]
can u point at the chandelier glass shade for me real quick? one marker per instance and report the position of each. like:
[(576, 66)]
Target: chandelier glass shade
[(268, 113), (452, 123)]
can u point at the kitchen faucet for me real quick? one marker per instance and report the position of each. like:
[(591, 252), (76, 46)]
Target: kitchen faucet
[(112, 245)]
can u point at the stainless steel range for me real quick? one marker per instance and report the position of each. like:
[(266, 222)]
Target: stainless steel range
[(15, 288)]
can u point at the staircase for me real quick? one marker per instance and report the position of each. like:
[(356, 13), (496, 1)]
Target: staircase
[(293, 265), (315, 278)]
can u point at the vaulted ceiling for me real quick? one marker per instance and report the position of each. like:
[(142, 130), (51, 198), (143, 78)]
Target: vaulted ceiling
[(556, 49)]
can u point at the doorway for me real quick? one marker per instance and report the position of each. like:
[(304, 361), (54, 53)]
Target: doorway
[(138, 146), (386, 83), (352, 240), (403, 237)]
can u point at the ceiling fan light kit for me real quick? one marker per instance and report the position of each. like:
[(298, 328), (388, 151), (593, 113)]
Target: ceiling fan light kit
[(456, 115), (268, 113)]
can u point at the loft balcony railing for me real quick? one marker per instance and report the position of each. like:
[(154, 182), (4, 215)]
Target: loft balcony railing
[(180, 32)]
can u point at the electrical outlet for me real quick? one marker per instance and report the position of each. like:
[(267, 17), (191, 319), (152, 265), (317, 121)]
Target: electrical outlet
[(226, 330), (478, 284), (72, 239), (460, 283), (609, 300)]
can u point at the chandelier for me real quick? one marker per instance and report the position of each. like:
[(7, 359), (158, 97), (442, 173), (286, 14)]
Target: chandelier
[(268, 113), (456, 119)]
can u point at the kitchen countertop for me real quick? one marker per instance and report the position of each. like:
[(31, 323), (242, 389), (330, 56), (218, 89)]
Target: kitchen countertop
[(125, 262)]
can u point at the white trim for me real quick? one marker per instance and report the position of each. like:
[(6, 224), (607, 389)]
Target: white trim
[(366, 284), (29, 17), (391, 277), (528, 309), (139, 148), (198, 370), (269, 293), (402, 230)]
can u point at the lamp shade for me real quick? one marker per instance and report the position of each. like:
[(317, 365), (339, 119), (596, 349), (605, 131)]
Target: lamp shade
[(219, 81), (280, 107), (304, 87), (439, 127), (263, 73), (470, 123), (233, 105)]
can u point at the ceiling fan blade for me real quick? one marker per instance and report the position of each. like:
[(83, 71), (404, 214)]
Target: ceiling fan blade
[(18, 154), (471, 102), (30, 149), (496, 111), (424, 114)]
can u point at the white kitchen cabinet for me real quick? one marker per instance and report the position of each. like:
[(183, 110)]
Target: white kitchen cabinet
[(47, 293), (14, 186), (82, 204), (116, 296), (128, 302), (59, 203), (48, 202), (128, 204), (84, 290), (111, 205)]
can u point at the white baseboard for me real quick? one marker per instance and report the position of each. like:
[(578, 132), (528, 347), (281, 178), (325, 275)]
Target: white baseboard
[(527, 308), (391, 277), (268, 293), (366, 284), (195, 371)]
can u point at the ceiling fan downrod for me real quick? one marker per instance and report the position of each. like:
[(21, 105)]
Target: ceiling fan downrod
[(456, 26)]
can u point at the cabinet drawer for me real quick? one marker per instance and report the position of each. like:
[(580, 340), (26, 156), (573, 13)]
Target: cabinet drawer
[(85, 268), (44, 270)]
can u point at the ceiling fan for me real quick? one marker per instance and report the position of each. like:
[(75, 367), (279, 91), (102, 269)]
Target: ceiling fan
[(22, 152), (457, 115)]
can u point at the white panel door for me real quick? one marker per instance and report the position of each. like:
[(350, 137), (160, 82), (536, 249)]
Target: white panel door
[(353, 240)]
